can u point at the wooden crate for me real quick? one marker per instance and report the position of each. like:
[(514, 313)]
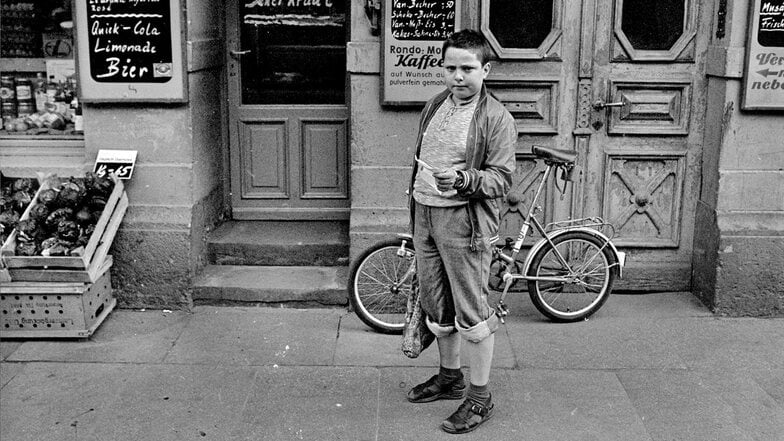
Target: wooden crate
[(55, 309), (84, 268), (5, 276)]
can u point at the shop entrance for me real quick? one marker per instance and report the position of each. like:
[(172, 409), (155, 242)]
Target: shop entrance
[(620, 84), (288, 117)]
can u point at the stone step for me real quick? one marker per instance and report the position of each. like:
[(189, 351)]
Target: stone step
[(293, 285), (279, 243)]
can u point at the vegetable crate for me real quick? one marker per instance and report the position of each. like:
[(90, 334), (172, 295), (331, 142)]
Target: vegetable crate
[(85, 268), (55, 309)]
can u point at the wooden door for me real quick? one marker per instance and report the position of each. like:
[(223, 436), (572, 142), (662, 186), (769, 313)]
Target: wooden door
[(619, 83), (288, 119)]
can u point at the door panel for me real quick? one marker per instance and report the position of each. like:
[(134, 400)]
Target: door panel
[(535, 77), (637, 158), (288, 128), (647, 146)]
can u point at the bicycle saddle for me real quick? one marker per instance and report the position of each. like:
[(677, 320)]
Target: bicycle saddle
[(554, 155)]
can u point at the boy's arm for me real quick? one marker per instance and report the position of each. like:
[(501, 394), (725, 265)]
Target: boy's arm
[(495, 178)]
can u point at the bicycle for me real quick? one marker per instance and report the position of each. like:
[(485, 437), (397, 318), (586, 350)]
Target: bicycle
[(569, 271)]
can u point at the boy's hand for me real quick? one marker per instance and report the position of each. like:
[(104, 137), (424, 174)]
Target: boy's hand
[(445, 179)]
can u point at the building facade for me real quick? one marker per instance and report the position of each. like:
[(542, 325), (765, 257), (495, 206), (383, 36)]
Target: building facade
[(306, 110)]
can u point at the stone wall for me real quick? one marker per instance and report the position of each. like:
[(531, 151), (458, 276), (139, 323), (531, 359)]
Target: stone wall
[(739, 244)]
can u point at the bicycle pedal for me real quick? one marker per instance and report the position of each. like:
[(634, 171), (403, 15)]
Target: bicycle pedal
[(501, 311)]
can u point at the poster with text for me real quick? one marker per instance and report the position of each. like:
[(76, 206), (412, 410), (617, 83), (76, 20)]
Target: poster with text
[(414, 31), (764, 80)]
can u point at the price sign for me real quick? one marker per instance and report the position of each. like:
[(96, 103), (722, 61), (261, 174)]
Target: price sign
[(119, 162)]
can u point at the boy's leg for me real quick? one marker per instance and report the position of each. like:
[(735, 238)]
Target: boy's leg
[(437, 304), (480, 357), (475, 320), (449, 351)]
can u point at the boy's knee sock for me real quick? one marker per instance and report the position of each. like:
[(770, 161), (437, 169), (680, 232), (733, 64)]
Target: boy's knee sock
[(478, 394), (447, 376)]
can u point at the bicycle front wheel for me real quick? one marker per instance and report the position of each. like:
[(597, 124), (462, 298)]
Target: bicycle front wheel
[(380, 283), (579, 269)]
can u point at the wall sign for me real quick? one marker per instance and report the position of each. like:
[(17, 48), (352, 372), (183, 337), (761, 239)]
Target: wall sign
[(119, 162), (764, 80), (414, 31), (130, 50)]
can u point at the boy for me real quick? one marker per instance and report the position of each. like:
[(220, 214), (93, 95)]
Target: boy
[(465, 155)]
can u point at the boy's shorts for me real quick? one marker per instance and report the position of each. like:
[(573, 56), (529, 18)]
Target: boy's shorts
[(452, 278)]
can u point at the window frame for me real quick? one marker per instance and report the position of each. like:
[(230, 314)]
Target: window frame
[(671, 54), (548, 49)]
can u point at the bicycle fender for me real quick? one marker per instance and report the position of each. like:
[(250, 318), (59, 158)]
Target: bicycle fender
[(619, 256)]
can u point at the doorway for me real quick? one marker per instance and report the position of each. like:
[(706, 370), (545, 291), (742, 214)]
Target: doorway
[(620, 84), (288, 118)]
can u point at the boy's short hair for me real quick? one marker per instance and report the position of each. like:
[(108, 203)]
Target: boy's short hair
[(470, 40)]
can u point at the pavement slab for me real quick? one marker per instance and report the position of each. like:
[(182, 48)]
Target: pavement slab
[(593, 344), (8, 371), (529, 405), (127, 336), (309, 403), (772, 381), (679, 405), (258, 336), (728, 343), (88, 401)]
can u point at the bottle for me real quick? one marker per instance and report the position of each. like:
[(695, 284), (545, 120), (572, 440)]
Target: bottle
[(40, 93), (51, 89), (77, 118), (61, 106), (25, 104)]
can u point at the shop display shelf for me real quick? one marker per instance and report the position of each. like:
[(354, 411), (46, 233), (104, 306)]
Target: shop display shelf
[(55, 309), (85, 268)]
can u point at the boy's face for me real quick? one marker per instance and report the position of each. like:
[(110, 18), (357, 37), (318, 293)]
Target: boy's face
[(464, 72)]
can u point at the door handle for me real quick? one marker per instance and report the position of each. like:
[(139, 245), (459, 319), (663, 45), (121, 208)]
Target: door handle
[(599, 104), (236, 54)]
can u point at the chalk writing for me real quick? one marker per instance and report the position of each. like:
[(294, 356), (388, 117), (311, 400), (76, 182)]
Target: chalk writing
[(771, 23), (418, 20), (129, 40)]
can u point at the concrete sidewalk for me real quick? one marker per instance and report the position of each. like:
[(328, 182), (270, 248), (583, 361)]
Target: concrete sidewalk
[(645, 367)]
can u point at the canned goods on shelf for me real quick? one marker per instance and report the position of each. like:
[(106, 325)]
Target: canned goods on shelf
[(24, 89), (25, 108), (7, 89), (8, 109)]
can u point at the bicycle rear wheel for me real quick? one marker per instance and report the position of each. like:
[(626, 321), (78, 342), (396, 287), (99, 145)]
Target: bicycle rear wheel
[(380, 283), (586, 280)]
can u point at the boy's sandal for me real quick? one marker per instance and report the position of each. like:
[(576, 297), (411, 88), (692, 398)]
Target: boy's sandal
[(468, 417), (430, 390)]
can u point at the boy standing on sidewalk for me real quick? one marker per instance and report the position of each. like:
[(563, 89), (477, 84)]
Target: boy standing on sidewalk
[(465, 158)]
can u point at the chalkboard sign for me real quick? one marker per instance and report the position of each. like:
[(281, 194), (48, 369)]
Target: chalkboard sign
[(422, 20), (764, 79), (130, 50), (771, 23), (414, 31)]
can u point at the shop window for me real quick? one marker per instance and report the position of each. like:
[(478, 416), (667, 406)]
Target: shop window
[(293, 56), (38, 81), (653, 25)]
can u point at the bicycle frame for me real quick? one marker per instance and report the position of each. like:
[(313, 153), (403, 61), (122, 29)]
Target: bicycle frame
[(547, 238)]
